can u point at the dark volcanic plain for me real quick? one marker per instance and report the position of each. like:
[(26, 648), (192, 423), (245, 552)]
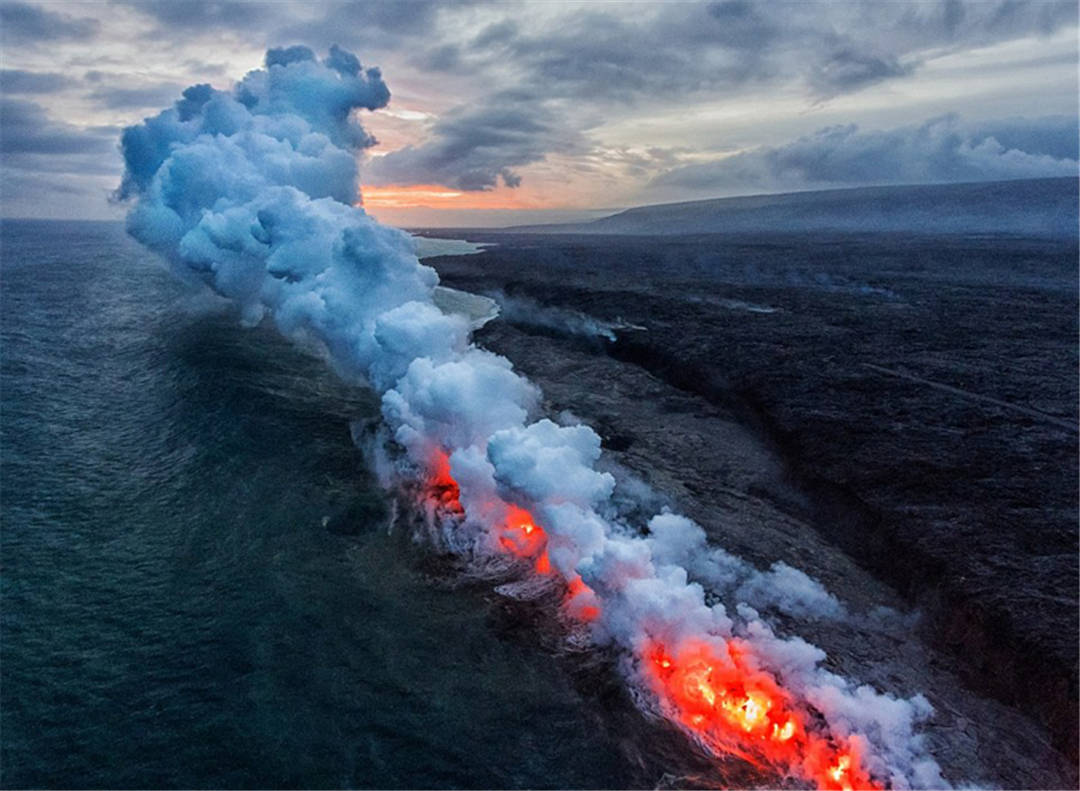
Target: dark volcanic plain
[(894, 414)]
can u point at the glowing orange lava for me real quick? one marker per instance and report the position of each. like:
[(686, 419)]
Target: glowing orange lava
[(737, 709), (444, 489), (580, 600), (520, 535), (543, 563), (721, 696)]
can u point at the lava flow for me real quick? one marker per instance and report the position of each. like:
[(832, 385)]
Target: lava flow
[(250, 190), (725, 702), (444, 491), (518, 535), (735, 709)]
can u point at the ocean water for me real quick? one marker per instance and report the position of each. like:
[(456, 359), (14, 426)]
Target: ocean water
[(175, 612)]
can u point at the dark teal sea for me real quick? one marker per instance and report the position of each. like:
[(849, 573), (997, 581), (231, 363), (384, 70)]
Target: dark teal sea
[(174, 611)]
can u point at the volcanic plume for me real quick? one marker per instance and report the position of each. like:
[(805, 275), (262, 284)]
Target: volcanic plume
[(251, 191)]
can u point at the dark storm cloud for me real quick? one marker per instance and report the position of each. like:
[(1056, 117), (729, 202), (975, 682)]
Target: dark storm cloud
[(473, 149), (1012, 15), (494, 34), (23, 23), (200, 67), (596, 54), (846, 70), (743, 25), (444, 58), (683, 49), (379, 23), (27, 129), (46, 164), (606, 54), (119, 91), (978, 22), (195, 15), (412, 16), (369, 24), (20, 81), (940, 150), (121, 97), (361, 25)]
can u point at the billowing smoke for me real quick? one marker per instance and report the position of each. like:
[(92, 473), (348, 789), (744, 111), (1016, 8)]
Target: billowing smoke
[(251, 190)]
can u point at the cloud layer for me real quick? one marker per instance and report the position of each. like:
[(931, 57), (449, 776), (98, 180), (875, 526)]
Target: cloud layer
[(475, 149), (569, 105), (941, 150), (23, 23), (595, 56)]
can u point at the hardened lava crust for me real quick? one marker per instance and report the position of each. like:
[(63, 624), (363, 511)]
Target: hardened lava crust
[(913, 399)]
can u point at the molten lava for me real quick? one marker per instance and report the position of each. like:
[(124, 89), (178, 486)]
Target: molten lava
[(543, 563), (581, 601), (720, 696), (519, 534), (737, 709), (443, 488)]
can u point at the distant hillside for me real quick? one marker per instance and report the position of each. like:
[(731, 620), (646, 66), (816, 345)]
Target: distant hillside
[(1036, 207)]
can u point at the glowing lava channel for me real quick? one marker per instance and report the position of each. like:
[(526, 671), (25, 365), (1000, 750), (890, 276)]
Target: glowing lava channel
[(517, 535), (717, 695), (250, 190)]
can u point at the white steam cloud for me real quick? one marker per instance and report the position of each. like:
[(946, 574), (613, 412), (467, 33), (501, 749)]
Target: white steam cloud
[(251, 190), (530, 313)]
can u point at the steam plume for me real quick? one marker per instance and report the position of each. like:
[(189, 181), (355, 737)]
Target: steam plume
[(252, 190)]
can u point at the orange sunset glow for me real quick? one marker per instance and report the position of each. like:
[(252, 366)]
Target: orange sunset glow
[(436, 196)]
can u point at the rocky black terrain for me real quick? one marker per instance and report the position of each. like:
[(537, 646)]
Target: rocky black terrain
[(893, 414)]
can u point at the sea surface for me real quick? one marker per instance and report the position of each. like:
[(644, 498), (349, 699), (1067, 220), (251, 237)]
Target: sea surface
[(175, 611)]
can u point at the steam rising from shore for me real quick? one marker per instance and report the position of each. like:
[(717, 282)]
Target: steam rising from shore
[(251, 191)]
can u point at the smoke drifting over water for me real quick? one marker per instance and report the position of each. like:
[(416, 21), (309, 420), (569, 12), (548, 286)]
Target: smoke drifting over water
[(251, 191)]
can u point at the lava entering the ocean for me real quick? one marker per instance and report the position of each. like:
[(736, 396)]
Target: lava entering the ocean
[(735, 709), (719, 697), (250, 189), (518, 535)]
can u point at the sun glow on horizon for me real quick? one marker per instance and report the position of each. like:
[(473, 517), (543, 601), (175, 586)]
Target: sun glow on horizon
[(438, 196)]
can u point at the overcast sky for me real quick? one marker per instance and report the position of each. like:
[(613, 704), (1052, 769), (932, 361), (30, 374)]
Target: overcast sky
[(508, 112)]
